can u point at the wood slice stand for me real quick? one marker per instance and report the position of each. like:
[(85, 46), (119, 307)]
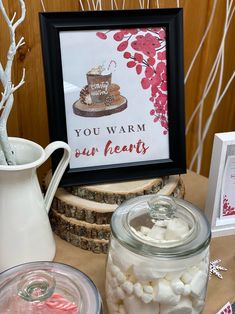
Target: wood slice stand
[(81, 215), (99, 110)]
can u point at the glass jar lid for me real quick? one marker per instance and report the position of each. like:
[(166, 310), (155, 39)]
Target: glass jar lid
[(160, 226), (47, 287)]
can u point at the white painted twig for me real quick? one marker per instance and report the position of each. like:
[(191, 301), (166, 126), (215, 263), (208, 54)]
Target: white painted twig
[(5, 94), (7, 99), (81, 5), (210, 77), (116, 5), (208, 85), (6, 147), (123, 4), (211, 116), (93, 4), (201, 42), (22, 81), (89, 6), (43, 6), (221, 61), (98, 4), (2, 157), (218, 98), (141, 3), (226, 88), (200, 139), (13, 17)]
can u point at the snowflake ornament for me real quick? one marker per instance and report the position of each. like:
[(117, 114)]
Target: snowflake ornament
[(215, 268)]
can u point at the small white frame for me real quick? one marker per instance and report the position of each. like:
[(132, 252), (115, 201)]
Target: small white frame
[(219, 227)]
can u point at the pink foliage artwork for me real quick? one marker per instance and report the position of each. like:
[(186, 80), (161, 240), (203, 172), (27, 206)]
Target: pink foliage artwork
[(145, 51), (228, 210)]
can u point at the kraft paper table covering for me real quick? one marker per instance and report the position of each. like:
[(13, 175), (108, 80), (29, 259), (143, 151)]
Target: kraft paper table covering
[(219, 291)]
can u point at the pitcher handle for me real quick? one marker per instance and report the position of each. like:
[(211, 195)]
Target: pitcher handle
[(55, 180)]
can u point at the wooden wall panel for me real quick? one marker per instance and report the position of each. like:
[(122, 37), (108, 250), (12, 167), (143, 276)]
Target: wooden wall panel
[(29, 116)]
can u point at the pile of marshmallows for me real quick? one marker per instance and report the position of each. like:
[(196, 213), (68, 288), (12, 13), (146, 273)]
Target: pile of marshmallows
[(99, 70), (135, 286)]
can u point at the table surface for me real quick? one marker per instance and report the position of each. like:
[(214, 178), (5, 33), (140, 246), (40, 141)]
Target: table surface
[(219, 291)]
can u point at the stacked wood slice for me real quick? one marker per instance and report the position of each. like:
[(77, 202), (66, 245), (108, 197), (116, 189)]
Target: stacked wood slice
[(81, 214)]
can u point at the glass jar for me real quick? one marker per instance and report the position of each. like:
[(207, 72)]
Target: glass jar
[(47, 288), (158, 257)]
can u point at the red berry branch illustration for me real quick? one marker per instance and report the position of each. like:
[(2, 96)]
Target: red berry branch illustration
[(145, 50), (228, 210)]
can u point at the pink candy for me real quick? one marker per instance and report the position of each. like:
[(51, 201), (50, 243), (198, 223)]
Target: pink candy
[(56, 301)]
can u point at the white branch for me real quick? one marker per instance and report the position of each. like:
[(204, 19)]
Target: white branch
[(22, 81), (7, 99), (2, 75), (22, 17), (43, 6), (13, 17), (81, 4), (5, 96), (211, 76), (198, 153), (201, 42), (2, 157), (20, 43)]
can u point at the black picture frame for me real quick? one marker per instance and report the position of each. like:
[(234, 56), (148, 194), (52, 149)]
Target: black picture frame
[(171, 20)]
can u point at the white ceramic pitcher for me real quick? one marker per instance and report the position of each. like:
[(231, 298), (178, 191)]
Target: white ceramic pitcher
[(25, 231)]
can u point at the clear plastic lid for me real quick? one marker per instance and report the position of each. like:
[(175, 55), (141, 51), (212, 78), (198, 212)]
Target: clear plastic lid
[(47, 288), (161, 226)]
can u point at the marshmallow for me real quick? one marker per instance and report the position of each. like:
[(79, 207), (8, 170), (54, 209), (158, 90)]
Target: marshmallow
[(144, 230), (119, 293), (146, 297), (134, 305), (113, 282), (114, 270), (123, 260), (186, 277), (198, 284), (120, 277), (203, 267), (108, 290), (113, 308), (121, 309), (184, 306), (161, 223), (193, 270), (163, 293), (187, 290), (138, 289), (176, 229), (177, 286), (105, 72), (145, 272), (198, 304), (128, 287), (148, 289), (108, 275), (173, 275), (157, 233)]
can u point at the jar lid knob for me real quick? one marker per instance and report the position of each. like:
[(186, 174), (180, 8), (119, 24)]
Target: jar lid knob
[(161, 207), (37, 285)]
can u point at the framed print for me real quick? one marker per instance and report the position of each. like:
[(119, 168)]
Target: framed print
[(220, 203), (114, 83)]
